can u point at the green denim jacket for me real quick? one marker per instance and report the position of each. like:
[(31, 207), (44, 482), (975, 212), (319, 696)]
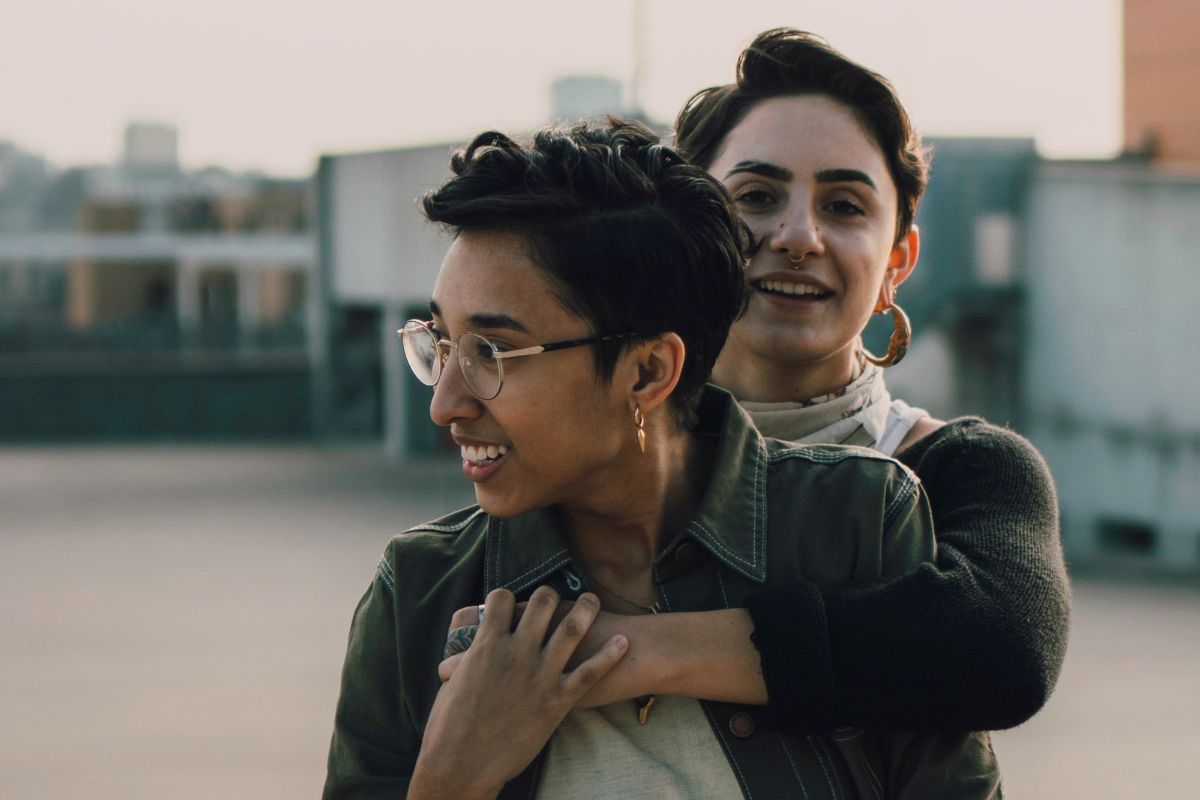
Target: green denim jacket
[(773, 513)]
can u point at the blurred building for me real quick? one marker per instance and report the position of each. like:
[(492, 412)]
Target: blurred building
[(137, 299), (1057, 297), (1162, 72), (378, 262), (1108, 253), (965, 297), (1110, 374), (575, 97), (151, 147)]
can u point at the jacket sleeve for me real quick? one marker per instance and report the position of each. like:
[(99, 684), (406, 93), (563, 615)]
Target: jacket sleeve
[(941, 766), (375, 744), (972, 641)]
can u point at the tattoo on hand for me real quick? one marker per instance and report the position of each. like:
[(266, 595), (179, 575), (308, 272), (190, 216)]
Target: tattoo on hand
[(459, 640)]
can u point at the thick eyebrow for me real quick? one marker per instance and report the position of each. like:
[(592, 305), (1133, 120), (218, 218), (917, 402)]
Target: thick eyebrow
[(763, 168), (843, 175), (493, 321), (778, 173), (484, 320)]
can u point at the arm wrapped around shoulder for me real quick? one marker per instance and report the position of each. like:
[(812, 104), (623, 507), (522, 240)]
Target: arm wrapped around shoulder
[(972, 641)]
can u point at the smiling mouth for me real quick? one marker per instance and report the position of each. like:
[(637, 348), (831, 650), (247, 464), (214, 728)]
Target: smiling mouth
[(483, 454), (788, 289)]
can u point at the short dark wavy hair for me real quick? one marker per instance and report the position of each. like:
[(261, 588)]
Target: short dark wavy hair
[(785, 61), (632, 236)]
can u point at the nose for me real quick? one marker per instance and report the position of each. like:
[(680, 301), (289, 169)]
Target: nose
[(796, 233), (452, 400)]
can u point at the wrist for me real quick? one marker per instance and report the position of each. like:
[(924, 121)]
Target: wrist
[(660, 667), (707, 655), (430, 783)]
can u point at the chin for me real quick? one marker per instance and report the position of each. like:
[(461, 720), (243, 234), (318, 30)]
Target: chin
[(499, 505)]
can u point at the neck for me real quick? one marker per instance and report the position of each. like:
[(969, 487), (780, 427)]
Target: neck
[(617, 539), (752, 378)]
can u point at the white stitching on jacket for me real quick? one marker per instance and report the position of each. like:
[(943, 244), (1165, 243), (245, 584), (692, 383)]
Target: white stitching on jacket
[(385, 572), (906, 491)]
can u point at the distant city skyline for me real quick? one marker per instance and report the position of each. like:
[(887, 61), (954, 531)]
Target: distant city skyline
[(270, 85)]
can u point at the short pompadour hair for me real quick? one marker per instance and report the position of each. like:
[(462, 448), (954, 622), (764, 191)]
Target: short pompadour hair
[(632, 236)]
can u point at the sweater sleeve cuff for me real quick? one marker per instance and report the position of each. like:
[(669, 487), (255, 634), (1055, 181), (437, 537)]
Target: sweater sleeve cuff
[(792, 637)]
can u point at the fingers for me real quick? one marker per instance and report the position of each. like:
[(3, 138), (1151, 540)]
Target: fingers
[(571, 629), (473, 615), (498, 613), (539, 611), (459, 640), (465, 616), (448, 666), (580, 680)]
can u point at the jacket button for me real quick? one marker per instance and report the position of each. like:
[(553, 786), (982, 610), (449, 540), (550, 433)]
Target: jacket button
[(688, 554), (741, 725)]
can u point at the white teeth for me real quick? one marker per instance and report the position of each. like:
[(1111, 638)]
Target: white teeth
[(482, 453), (790, 288)]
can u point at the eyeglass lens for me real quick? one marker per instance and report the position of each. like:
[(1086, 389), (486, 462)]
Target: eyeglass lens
[(480, 367), (421, 349), (476, 358)]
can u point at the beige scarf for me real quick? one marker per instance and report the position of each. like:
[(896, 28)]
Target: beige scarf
[(862, 413)]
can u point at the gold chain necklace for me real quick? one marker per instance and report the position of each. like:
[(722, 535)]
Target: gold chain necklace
[(650, 609), (644, 702)]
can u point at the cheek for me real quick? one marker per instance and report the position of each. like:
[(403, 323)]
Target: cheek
[(759, 226), (869, 265), (567, 425)]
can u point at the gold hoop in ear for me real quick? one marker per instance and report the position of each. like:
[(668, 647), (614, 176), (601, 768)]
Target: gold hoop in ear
[(639, 419), (898, 344)]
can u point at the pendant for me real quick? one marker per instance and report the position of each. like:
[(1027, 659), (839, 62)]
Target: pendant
[(643, 708)]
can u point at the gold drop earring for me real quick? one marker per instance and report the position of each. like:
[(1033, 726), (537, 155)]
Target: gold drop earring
[(639, 419)]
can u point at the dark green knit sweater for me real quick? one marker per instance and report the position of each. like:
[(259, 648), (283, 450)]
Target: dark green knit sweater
[(974, 641)]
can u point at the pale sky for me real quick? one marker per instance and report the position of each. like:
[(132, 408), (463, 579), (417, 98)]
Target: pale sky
[(271, 84)]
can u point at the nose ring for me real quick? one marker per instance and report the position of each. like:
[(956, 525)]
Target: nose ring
[(795, 261)]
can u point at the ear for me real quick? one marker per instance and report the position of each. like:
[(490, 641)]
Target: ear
[(902, 260), (655, 369)]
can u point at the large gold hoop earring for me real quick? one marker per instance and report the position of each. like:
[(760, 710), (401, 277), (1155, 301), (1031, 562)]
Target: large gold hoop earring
[(898, 344), (639, 419)]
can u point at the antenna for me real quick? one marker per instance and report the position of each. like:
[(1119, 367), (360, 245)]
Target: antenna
[(639, 59)]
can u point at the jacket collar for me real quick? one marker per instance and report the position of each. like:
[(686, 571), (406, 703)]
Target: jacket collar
[(730, 522)]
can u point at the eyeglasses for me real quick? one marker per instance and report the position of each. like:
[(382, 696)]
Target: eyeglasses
[(479, 359)]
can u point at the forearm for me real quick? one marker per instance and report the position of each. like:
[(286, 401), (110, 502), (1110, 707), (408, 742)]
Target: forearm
[(985, 657), (428, 784), (706, 655)]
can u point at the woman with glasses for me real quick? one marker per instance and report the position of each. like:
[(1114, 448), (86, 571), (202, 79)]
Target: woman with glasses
[(826, 170), (589, 288)]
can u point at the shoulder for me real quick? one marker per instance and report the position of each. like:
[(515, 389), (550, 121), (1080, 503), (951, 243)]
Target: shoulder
[(840, 514), (827, 473), (456, 522), (972, 449), (973, 439), (436, 545), (834, 459)]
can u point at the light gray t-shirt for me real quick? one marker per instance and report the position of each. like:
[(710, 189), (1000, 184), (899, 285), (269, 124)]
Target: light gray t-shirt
[(601, 753)]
